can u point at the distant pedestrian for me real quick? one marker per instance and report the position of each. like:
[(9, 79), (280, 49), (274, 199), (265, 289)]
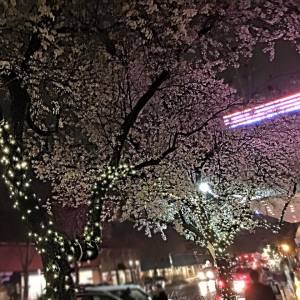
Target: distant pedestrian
[(160, 294), (257, 290)]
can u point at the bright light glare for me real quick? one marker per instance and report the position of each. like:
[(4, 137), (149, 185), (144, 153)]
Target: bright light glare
[(36, 285), (203, 290), (211, 284), (297, 288), (210, 274), (201, 276), (239, 286), (285, 247), (204, 187)]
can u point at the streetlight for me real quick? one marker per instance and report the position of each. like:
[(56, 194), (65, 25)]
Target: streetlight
[(204, 187), (285, 248)]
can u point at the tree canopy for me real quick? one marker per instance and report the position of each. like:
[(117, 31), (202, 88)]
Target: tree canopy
[(97, 90), (132, 81)]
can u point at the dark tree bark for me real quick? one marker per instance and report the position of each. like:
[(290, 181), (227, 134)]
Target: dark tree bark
[(19, 102), (26, 271), (131, 118), (223, 262), (62, 289)]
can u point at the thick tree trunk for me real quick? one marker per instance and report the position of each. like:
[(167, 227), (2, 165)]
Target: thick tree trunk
[(25, 271), (223, 264), (60, 284), (57, 251), (222, 261), (76, 271), (26, 287)]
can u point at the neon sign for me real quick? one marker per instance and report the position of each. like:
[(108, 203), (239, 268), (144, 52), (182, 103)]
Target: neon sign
[(263, 111)]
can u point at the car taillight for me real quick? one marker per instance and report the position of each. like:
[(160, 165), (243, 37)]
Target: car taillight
[(221, 284)]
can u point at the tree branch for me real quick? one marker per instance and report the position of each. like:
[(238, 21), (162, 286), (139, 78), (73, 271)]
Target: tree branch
[(208, 25), (131, 118), (286, 205), (19, 102), (157, 161), (36, 129), (189, 226), (34, 45), (173, 147), (19, 94)]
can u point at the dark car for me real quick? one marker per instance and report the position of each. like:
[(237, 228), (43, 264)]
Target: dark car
[(96, 296), (113, 292)]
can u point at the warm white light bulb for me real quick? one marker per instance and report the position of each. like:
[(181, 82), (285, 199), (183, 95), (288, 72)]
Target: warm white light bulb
[(204, 187)]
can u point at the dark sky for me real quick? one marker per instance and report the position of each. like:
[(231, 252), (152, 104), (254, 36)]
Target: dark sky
[(260, 76)]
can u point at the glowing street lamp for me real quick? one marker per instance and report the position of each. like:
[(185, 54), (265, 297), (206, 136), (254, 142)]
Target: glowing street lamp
[(204, 188), (285, 248)]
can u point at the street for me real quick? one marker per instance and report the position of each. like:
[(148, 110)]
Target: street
[(195, 290)]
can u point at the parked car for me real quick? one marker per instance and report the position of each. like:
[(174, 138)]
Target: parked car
[(112, 292), (90, 295)]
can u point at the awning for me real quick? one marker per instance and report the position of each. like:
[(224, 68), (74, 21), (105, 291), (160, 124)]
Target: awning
[(13, 257)]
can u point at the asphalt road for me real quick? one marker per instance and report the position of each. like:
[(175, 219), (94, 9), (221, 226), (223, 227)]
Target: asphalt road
[(205, 290)]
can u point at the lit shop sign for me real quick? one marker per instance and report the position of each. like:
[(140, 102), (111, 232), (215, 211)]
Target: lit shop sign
[(264, 111)]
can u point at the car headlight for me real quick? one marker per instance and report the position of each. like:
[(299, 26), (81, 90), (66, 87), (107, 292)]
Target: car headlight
[(239, 286), (210, 274), (201, 276)]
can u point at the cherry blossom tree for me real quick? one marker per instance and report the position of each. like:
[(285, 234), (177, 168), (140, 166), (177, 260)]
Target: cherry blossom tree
[(104, 99), (219, 194)]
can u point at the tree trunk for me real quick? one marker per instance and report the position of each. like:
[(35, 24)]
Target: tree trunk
[(76, 270), (223, 263), (56, 249), (26, 287), (60, 284), (25, 271)]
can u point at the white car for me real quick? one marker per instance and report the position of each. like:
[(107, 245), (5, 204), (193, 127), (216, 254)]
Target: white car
[(113, 292)]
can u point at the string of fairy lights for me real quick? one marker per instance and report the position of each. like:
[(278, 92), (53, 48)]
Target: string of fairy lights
[(206, 228), (57, 251), (204, 215)]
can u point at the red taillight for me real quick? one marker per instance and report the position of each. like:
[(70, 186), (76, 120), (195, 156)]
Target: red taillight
[(221, 284)]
